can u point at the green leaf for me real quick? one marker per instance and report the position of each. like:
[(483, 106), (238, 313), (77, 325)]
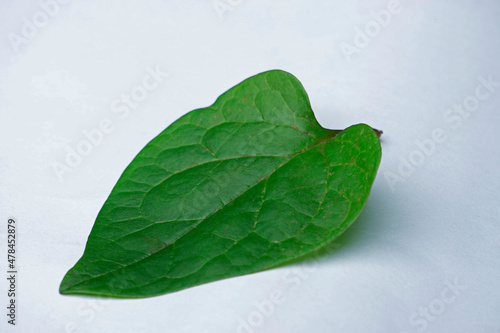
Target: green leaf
[(235, 188)]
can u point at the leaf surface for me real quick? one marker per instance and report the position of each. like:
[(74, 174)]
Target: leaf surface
[(243, 185)]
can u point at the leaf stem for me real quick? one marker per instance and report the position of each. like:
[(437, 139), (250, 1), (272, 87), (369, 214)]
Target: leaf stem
[(378, 132)]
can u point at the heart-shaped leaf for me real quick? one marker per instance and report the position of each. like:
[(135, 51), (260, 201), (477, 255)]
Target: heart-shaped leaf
[(235, 188)]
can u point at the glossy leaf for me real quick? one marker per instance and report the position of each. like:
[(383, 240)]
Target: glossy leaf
[(238, 187)]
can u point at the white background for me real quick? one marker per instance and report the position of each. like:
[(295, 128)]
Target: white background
[(432, 218)]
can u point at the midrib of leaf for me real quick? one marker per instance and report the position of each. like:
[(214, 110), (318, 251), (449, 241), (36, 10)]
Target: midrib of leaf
[(265, 179)]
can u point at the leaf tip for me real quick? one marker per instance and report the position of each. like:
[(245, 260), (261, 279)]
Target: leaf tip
[(68, 283), (64, 287)]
